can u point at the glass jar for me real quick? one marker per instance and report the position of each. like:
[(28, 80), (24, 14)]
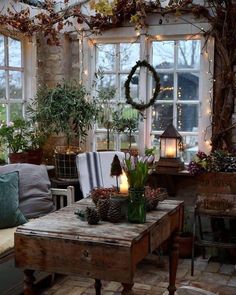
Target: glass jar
[(136, 206)]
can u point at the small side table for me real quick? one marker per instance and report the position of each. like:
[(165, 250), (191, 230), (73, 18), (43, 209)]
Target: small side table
[(63, 183)]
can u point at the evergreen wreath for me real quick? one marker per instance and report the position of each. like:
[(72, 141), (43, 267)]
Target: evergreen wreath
[(129, 99)]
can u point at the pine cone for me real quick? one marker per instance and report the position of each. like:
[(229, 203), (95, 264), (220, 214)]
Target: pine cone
[(92, 215), (114, 213), (103, 208)]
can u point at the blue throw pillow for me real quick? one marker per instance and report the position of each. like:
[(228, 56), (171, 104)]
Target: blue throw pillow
[(10, 214)]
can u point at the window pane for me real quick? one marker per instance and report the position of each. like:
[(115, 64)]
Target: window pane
[(162, 116), (106, 57), (14, 47), (1, 50), (167, 86), (129, 54), (189, 54), (127, 140), (101, 141), (3, 113), (190, 147), (134, 86), (163, 54), (187, 117), (188, 86), (15, 111), (107, 81), (2, 85), (15, 85)]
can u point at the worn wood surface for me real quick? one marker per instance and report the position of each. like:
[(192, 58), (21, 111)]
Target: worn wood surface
[(60, 242)]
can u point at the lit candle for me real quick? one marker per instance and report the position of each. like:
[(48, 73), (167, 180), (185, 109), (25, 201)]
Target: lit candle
[(170, 152), (124, 186)]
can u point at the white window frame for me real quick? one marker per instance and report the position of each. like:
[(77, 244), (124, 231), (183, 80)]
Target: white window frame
[(164, 32), (28, 73)]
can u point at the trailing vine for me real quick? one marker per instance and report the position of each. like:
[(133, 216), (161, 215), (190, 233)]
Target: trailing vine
[(221, 16), (129, 99)]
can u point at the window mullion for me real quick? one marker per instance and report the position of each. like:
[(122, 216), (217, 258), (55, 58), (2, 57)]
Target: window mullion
[(117, 139), (7, 78), (175, 102)]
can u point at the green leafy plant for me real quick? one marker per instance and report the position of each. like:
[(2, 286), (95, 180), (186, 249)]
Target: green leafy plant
[(136, 169), (65, 108), (21, 135), (105, 115), (125, 120)]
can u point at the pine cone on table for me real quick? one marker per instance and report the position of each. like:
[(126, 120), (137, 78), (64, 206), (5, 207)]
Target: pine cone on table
[(92, 215), (114, 213), (103, 206)]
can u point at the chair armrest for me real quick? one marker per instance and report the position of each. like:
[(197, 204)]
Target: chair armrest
[(60, 193)]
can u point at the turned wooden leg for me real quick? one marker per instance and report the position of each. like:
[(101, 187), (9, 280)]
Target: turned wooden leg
[(127, 289), (173, 263), (98, 286), (29, 282)]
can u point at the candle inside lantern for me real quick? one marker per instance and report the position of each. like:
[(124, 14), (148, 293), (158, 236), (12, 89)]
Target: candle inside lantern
[(170, 152), (124, 186)]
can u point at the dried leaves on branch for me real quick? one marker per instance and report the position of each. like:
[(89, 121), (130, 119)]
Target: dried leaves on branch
[(221, 14)]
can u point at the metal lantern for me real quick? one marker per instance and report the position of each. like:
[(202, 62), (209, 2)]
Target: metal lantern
[(170, 144)]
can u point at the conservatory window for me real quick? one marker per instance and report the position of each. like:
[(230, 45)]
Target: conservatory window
[(177, 63), (11, 79), (113, 64), (182, 66), (17, 77)]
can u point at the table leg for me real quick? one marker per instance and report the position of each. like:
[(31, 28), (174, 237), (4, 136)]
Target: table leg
[(173, 262), (127, 289), (98, 286), (29, 282)]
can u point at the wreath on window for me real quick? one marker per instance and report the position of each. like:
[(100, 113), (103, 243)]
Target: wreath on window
[(129, 99)]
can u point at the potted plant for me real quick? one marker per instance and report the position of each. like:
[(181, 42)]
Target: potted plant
[(65, 109), (105, 117), (125, 120), (186, 235), (24, 141)]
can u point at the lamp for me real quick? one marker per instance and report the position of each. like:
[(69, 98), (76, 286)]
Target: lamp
[(170, 143)]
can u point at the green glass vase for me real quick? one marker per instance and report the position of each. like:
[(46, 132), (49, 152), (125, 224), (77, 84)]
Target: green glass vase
[(136, 206)]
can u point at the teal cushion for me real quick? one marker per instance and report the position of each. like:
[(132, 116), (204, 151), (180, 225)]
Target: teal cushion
[(10, 214)]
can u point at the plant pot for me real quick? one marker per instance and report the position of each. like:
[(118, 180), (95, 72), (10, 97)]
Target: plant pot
[(65, 162), (31, 157), (185, 245)]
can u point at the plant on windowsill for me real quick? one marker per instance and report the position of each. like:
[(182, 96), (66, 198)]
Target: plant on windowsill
[(65, 109), (24, 141), (105, 116), (125, 120)]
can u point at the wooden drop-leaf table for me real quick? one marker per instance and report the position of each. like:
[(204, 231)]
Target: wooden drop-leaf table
[(61, 243)]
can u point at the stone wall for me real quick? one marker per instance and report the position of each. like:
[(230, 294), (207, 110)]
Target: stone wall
[(55, 64)]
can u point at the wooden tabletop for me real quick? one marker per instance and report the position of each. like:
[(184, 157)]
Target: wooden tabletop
[(64, 223)]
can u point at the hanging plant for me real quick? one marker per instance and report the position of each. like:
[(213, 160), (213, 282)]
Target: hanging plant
[(142, 106)]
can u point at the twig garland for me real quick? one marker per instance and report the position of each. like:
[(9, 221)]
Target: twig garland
[(129, 99)]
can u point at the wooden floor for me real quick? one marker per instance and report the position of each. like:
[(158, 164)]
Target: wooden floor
[(152, 279)]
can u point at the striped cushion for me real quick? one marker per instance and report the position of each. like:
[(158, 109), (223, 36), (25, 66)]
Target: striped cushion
[(94, 170)]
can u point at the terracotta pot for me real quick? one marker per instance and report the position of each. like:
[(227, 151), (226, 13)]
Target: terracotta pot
[(185, 245), (31, 157)]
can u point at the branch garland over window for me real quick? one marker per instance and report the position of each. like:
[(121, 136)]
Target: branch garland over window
[(129, 99)]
